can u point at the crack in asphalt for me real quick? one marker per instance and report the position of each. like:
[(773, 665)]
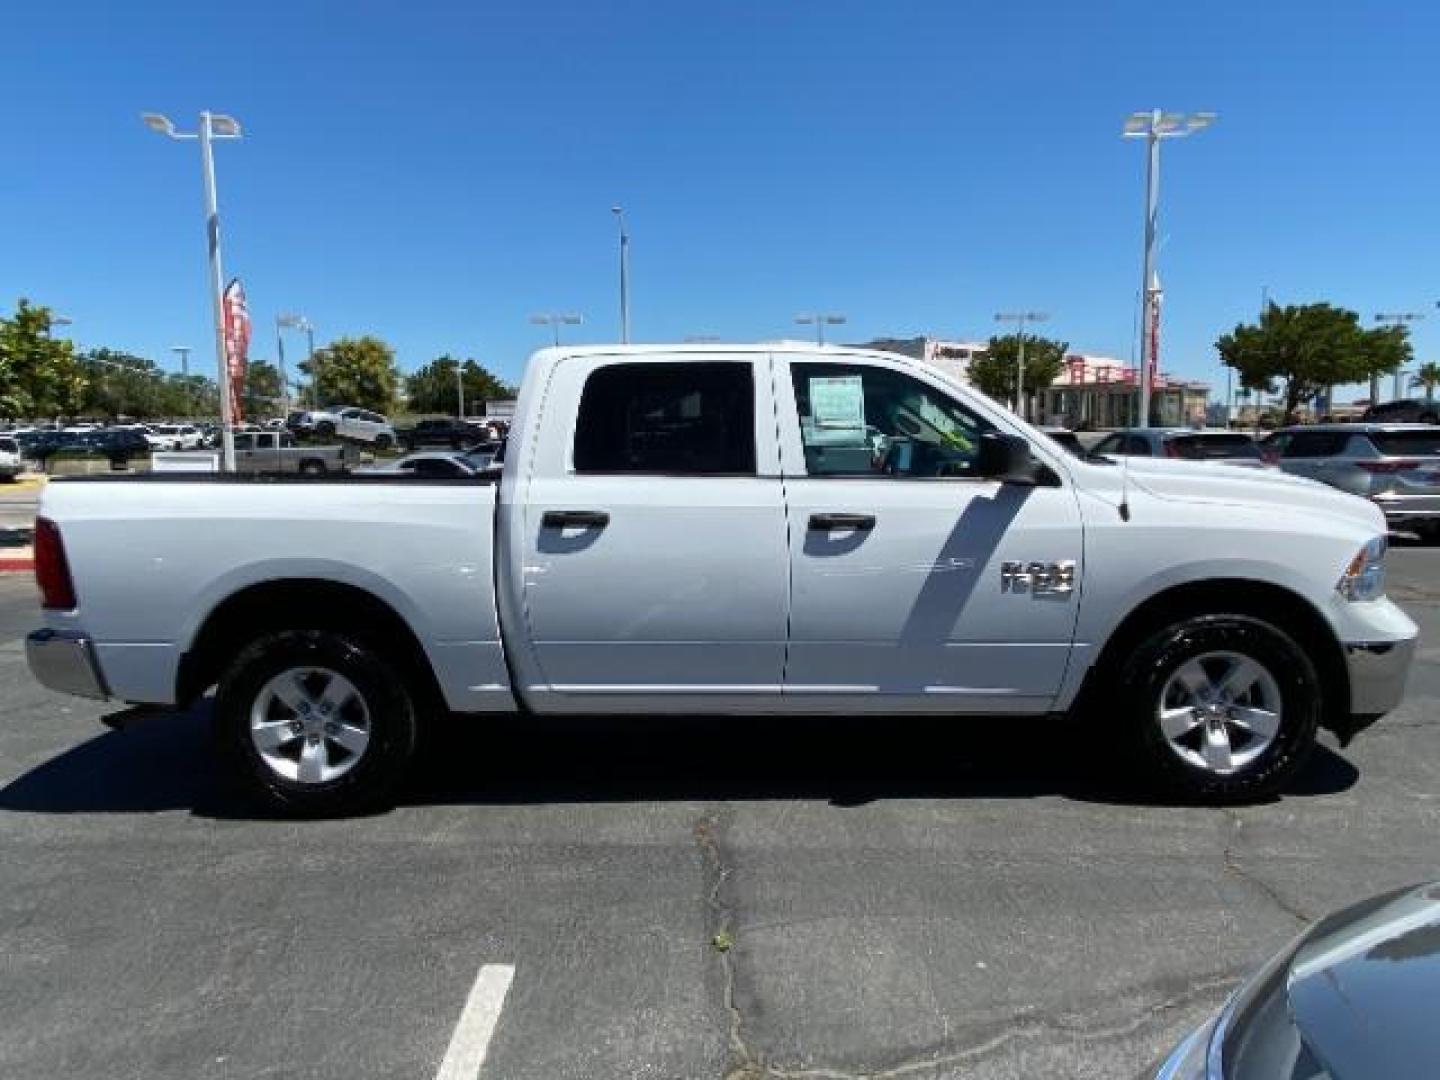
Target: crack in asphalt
[(722, 922), (1235, 868), (748, 1064)]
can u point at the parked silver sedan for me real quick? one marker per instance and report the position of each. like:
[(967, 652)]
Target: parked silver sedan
[(1396, 466), (1193, 444)]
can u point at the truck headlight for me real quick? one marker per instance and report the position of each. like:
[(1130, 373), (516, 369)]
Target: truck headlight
[(1364, 578)]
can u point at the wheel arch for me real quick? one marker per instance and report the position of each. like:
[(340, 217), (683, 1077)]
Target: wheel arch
[(1275, 604), (302, 603)]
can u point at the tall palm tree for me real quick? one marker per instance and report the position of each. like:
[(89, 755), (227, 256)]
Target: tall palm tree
[(1428, 376)]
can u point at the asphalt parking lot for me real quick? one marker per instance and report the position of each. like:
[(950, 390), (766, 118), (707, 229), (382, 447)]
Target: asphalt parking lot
[(908, 900)]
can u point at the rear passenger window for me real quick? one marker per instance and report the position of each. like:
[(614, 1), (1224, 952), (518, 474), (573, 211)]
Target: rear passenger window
[(690, 418), (1313, 444)]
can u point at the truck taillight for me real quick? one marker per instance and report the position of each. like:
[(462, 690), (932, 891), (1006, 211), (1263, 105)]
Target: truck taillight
[(52, 569)]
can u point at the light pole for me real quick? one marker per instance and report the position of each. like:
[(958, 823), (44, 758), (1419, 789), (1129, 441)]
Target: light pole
[(820, 320), (1396, 319), (183, 351), (1020, 318), (284, 321), (555, 320), (212, 126), (619, 212), (1152, 126), (460, 388)]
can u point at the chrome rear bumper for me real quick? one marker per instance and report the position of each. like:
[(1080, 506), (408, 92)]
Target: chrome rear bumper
[(1377, 674), (65, 661)]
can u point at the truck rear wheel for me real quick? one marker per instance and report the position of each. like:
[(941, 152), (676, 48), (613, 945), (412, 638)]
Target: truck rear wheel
[(317, 723), (1221, 708)]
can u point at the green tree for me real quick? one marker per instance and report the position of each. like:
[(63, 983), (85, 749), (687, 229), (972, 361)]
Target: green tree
[(1427, 376), (119, 384), (1309, 347), (262, 389), (993, 372), (39, 375), (432, 389), (355, 371)]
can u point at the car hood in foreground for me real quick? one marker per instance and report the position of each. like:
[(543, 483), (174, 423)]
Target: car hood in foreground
[(1364, 983), (1206, 482)]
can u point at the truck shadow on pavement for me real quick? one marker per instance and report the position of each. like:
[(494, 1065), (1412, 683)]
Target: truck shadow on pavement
[(168, 761)]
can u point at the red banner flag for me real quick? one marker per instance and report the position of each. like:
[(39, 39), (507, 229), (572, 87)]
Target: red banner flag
[(237, 346)]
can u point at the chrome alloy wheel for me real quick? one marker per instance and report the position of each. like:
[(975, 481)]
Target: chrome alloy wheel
[(310, 725), (1220, 711)]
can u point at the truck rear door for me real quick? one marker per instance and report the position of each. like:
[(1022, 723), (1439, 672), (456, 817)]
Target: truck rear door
[(916, 585), (655, 566)]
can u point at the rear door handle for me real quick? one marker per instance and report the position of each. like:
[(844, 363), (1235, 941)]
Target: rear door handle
[(859, 522), (587, 519)]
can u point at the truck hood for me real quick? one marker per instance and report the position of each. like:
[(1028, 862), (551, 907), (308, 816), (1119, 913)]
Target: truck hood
[(1224, 485)]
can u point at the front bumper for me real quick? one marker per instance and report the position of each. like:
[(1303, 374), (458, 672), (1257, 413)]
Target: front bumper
[(1378, 670), (65, 661)]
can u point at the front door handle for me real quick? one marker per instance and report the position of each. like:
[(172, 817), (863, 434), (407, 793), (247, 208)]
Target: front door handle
[(859, 522), (584, 519)]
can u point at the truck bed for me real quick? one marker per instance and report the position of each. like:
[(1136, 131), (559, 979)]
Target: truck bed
[(154, 556)]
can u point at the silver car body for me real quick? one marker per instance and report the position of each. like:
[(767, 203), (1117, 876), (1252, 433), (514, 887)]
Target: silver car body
[(1395, 466)]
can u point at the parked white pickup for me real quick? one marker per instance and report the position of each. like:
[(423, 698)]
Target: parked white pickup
[(749, 529)]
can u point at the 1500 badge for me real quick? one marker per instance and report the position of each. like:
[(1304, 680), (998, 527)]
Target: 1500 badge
[(1053, 578)]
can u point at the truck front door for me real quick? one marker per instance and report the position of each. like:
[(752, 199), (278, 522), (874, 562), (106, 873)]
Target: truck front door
[(655, 564), (916, 585)]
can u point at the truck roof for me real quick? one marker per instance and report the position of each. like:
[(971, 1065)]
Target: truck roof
[(699, 350)]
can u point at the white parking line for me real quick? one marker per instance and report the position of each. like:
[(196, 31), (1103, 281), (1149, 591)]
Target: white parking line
[(477, 1023)]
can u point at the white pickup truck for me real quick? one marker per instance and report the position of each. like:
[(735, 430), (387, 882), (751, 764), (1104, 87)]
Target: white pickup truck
[(776, 529)]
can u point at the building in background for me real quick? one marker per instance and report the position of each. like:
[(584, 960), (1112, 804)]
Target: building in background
[(1102, 392)]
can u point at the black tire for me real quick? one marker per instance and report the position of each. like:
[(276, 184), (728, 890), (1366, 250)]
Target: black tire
[(1158, 658), (325, 429), (373, 775), (312, 468)]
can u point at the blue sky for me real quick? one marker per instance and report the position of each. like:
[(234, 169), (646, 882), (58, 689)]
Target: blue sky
[(436, 172)]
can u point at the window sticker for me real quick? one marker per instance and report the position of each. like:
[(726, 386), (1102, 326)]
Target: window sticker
[(838, 402)]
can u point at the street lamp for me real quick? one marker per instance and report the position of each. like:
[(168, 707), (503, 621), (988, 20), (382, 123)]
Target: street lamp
[(619, 212), (1152, 126), (460, 388), (1396, 319), (820, 320), (212, 126), (1020, 318), (555, 320)]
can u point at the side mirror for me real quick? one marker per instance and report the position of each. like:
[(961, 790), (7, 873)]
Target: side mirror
[(1005, 458)]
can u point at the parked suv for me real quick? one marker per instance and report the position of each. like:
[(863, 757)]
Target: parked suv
[(9, 458), (1395, 466), (446, 431), (1405, 411), (358, 424), (1230, 447)]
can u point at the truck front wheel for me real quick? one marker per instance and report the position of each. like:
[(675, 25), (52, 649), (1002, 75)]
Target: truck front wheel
[(1221, 708), (317, 723)]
